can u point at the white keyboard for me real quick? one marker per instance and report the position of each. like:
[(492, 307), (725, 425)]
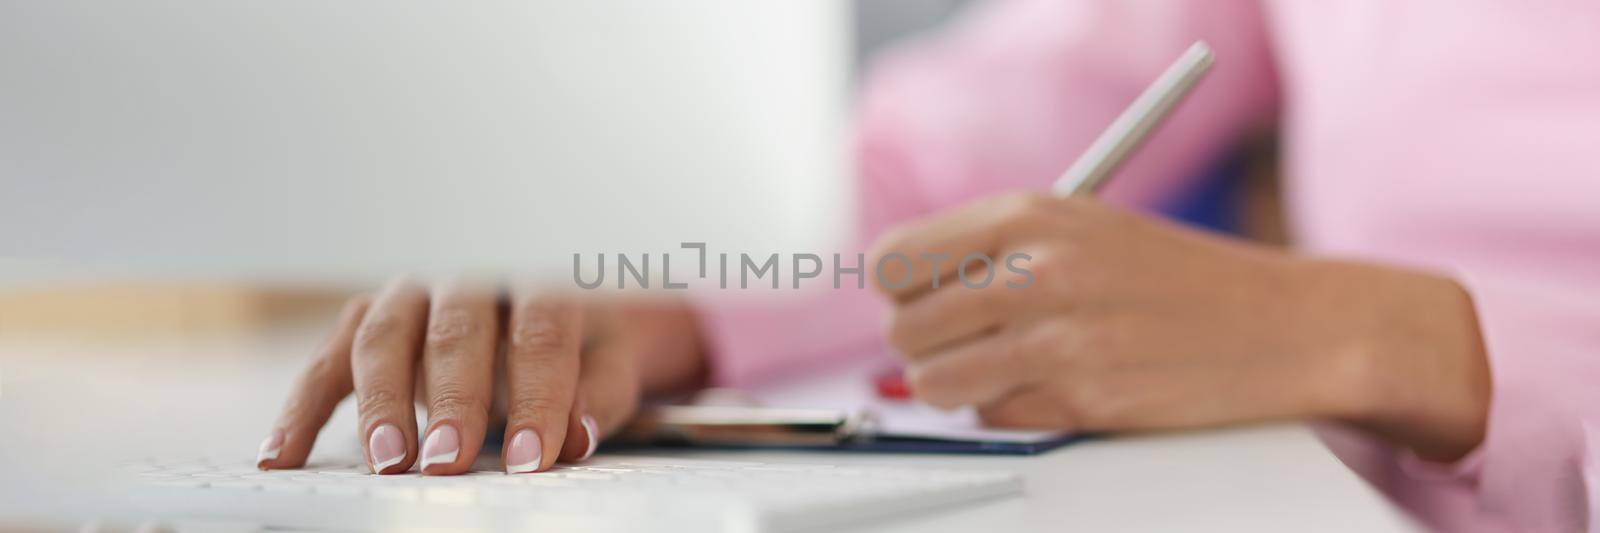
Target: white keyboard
[(607, 492)]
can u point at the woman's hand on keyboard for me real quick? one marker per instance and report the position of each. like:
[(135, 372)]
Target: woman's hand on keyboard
[(561, 373)]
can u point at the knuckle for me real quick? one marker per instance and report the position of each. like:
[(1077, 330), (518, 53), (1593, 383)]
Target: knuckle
[(1056, 268), (375, 402), (1054, 261), (450, 329), (457, 398), (374, 331), (539, 333), (1011, 279), (536, 409)]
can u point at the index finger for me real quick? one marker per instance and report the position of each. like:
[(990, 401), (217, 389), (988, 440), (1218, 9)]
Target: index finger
[(904, 257), (321, 386)]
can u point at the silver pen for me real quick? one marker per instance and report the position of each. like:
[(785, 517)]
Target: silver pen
[(1129, 130)]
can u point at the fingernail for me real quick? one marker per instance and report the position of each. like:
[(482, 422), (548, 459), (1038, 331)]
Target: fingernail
[(594, 436), (524, 454), (269, 448), (442, 446), (387, 446)]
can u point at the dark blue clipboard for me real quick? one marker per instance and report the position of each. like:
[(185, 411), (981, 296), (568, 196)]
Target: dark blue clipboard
[(883, 444), (874, 444)]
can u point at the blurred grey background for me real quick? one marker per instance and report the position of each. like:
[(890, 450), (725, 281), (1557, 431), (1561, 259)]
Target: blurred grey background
[(345, 142), (879, 23), (142, 307)]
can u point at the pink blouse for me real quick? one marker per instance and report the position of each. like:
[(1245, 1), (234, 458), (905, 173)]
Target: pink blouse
[(1461, 136)]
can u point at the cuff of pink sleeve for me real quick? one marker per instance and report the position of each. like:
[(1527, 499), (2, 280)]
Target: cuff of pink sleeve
[(1463, 469), (1591, 471), (752, 342), (1495, 315), (1468, 467), (1534, 429), (732, 342)]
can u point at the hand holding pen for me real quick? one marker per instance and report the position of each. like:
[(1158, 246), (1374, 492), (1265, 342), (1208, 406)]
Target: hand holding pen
[(1128, 322)]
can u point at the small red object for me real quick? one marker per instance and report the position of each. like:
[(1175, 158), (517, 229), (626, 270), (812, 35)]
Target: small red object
[(891, 385)]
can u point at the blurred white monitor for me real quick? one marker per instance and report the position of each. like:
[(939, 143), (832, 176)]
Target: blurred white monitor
[(353, 140)]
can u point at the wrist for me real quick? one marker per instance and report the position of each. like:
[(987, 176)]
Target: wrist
[(670, 347), (1405, 355)]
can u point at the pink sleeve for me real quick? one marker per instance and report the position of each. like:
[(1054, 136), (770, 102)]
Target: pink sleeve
[(1004, 100), (1544, 355), (1538, 467)]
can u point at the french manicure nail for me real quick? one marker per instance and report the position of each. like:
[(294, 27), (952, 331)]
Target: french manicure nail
[(269, 447), (524, 454), (594, 436), (442, 446), (387, 446)]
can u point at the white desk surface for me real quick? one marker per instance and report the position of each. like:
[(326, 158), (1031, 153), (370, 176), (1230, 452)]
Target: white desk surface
[(60, 403)]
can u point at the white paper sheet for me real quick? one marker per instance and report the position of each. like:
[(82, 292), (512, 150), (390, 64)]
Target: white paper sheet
[(852, 388)]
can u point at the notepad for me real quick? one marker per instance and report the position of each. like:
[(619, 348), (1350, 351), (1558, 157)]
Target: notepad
[(842, 412)]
